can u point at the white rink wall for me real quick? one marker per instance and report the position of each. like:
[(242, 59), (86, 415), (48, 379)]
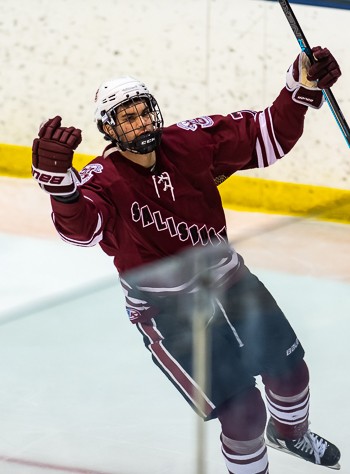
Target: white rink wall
[(197, 56)]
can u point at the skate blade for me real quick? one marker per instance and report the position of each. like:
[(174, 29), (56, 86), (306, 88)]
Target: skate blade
[(273, 445)]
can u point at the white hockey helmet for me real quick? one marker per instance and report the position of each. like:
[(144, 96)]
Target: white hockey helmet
[(127, 90)]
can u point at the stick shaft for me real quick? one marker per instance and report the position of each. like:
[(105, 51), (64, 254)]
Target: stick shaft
[(304, 45)]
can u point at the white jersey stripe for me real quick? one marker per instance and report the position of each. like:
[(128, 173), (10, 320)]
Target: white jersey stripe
[(278, 146), (259, 154), (270, 152), (218, 271)]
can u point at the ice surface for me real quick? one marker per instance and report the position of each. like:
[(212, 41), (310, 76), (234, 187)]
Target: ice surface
[(80, 394)]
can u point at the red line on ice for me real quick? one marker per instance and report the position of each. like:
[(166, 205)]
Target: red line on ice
[(48, 466)]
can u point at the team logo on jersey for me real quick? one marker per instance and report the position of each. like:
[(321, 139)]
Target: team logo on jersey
[(185, 232), (193, 124), (89, 170), (162, 182), (133, 314), (237, 115)]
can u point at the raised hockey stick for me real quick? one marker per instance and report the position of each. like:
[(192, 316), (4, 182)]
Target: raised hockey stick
[(304, 45)]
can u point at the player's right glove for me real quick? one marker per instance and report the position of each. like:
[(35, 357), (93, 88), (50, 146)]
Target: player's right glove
[(52, 156), (306, 81)]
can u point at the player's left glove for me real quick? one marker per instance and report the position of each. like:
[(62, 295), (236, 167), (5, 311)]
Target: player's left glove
[(52, 156), (306, 81)]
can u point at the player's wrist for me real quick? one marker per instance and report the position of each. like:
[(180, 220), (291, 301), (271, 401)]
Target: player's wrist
[(308, 97), (57, 184), (67, 199)]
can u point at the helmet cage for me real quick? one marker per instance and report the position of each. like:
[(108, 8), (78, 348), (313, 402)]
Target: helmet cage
[(142, 143)]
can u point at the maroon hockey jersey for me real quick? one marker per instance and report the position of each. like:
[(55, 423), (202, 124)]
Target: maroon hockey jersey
[(139, 215)]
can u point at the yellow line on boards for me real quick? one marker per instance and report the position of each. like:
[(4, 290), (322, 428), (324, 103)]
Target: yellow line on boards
[(15, 161), (260, 195), (237, 192)]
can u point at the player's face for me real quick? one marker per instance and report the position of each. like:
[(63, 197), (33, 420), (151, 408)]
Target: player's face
[(133, 120)]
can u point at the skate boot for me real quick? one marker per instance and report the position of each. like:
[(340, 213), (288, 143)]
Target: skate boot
[(310, 447)]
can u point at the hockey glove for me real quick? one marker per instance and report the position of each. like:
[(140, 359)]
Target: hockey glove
[(52, 156), (305, 81)]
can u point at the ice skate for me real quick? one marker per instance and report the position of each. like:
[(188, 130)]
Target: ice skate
[(311, 447)]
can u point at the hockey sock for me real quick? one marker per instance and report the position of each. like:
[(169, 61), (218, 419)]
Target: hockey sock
[(243, 416), (243, 420), (287, 399), (245, 456)]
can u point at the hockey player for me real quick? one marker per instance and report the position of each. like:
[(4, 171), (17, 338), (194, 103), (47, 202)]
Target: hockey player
[(152, 194)]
